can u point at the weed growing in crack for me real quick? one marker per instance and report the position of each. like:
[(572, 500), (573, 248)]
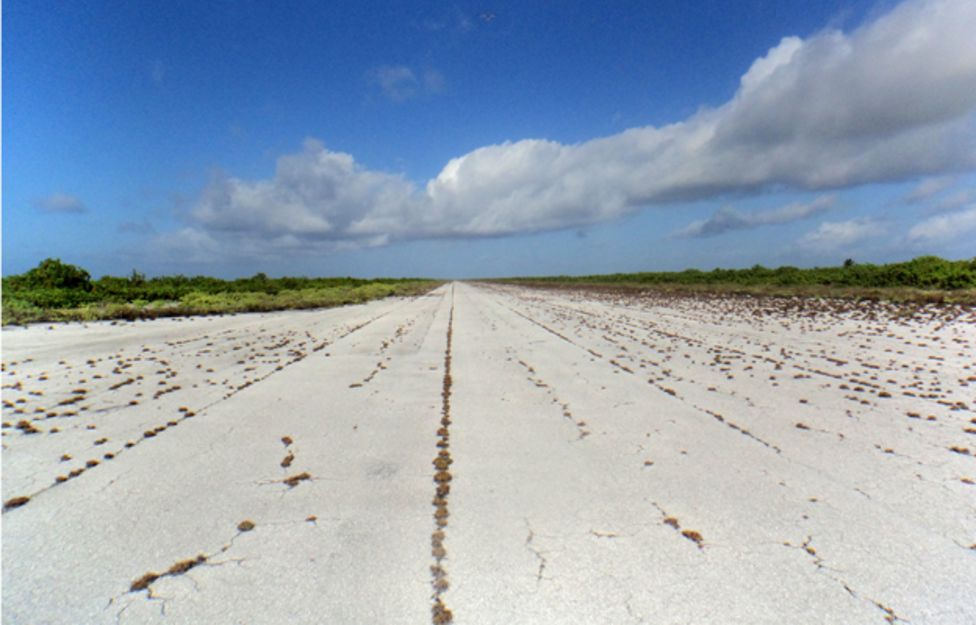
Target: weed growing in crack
[(27, 427), (294, 480), (179, 568), (143, 582), (440, 614), (693, 536), (185, 565), (15, 502)]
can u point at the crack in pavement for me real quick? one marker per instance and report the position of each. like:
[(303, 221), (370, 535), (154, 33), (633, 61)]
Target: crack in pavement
[(630, 610), (182, 567), (807, 546), (673, 522), (440, 614), (653, 383), (186, 413), (538, 554)]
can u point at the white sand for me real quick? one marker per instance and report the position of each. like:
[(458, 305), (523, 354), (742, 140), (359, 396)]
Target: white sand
[(587, 432)]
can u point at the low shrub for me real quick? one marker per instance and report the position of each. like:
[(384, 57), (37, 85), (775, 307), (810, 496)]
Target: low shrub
[(54, 291)]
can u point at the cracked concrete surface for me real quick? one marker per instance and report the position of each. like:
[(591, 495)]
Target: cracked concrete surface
[(614, 459)]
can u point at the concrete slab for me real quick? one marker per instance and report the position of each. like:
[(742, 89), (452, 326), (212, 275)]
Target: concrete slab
[(489, 454)]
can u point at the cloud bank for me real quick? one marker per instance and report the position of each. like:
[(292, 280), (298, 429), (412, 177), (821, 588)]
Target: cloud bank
[(892, 100)]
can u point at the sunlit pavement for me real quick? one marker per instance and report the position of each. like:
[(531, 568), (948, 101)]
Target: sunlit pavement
[(489, 454)]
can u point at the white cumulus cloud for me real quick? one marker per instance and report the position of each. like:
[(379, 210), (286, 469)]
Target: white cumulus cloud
[(946, 227), (315, 194), (892, 100), (835, 235)]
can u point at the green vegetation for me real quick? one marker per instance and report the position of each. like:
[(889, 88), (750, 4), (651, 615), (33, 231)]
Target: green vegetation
[(924, 278), (56, 291)]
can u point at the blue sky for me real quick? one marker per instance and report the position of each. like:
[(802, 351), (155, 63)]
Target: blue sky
[(485, 139)]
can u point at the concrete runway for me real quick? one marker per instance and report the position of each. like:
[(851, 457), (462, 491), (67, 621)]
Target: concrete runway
[(487, 454)]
